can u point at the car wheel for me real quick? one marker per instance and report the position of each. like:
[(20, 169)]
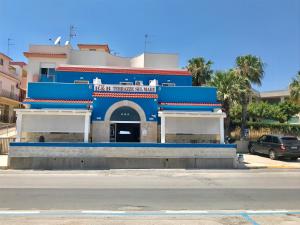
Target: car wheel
[(252, 150), (294, 158), (272, 155)]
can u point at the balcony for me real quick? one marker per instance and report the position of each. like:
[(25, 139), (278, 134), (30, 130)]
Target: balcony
[(9, 95)]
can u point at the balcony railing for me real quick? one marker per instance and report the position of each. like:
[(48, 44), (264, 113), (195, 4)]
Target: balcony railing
[(9, 94)]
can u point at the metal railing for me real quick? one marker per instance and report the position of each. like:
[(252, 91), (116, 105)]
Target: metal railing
[(9, 94)]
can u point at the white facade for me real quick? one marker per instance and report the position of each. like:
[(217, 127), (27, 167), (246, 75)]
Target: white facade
[(39, 55)]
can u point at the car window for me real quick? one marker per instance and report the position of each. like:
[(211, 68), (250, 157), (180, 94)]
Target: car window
[(262, 138), (269, 139), (276, 140), (289, 138)]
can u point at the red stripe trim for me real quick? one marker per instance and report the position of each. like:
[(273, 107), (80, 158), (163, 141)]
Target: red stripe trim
[(190, 104), (124, 95), (123, 71), (58, 101)]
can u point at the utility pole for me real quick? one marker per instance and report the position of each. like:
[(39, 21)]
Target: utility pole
[(9, 43)]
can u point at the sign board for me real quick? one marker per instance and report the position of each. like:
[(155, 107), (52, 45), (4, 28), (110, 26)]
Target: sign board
[(124, 88)]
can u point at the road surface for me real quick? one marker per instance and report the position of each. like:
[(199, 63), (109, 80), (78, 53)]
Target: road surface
[(150, 190)]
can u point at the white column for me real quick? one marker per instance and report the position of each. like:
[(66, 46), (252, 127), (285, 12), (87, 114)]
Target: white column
[(86, 127), (221, 130), (19, 127), (163, 129)]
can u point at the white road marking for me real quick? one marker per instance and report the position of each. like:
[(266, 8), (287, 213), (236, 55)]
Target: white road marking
[(185, 211), (102, 212), (266, 211), (19, 212)]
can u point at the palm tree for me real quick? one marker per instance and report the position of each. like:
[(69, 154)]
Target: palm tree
[(295, 88), (229, 88), (201, 70), (251, 69)]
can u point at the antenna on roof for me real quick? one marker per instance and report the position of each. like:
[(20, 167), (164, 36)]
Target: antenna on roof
[(72, 33), (57, 41), (147, 41), (9, 43), (114, 52)]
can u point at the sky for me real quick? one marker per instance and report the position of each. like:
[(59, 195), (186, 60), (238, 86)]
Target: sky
[(219, 30)]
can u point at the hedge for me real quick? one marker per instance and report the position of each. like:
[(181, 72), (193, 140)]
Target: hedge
[(292, 129)]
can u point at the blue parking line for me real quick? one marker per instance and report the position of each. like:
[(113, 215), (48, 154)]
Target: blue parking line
[(249, 219)]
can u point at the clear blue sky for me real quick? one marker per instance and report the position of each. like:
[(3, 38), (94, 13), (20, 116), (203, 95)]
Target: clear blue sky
[(218, 30)]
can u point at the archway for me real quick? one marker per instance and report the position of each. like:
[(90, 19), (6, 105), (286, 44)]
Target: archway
[(125, 119)]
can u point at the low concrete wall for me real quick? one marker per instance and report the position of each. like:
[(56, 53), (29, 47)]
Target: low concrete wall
[(108, 156), (242, 146)]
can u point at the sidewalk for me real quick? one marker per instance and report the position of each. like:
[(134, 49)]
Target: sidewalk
[(263, 162), (3, 161)]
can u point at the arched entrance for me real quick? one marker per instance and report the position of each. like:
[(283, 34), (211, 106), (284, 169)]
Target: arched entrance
[(125, 125)]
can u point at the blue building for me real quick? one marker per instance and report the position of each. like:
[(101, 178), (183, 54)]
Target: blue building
[(111, 101)]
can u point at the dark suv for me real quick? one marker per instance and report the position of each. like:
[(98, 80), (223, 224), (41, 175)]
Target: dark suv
[(276, 146)]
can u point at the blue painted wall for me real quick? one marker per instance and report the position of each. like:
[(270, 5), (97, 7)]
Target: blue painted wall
[(111, 78), (43, 90), (101, 105), (187, 94)]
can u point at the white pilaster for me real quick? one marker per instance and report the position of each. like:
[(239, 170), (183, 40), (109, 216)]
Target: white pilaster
[(163, 129), (19, 127), (221, 130), (86, 128)]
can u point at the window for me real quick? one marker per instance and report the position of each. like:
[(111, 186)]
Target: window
[(92, 49), (262, 139), (81, 82), (168, 84), (44, 71), (125, 113), (126, 83), (12, 90), (269, 139), (1, 62), (276, 140), (139, 82)]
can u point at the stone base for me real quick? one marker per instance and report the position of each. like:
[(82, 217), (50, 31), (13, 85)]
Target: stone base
[(119, 163), (120, 156)]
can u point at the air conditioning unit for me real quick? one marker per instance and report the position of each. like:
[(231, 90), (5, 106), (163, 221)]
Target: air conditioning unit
[(139, 82)]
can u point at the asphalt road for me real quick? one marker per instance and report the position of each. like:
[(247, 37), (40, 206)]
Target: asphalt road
[(149, 190)]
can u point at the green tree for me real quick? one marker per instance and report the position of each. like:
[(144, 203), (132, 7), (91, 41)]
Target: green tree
[(251, 69), (287, 110), (201, 70), (236, 113), (295, 88), (229, 88)]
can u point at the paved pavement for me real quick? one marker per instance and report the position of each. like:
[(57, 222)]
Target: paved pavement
[(131, 197), (154, 218), (258, 162)]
